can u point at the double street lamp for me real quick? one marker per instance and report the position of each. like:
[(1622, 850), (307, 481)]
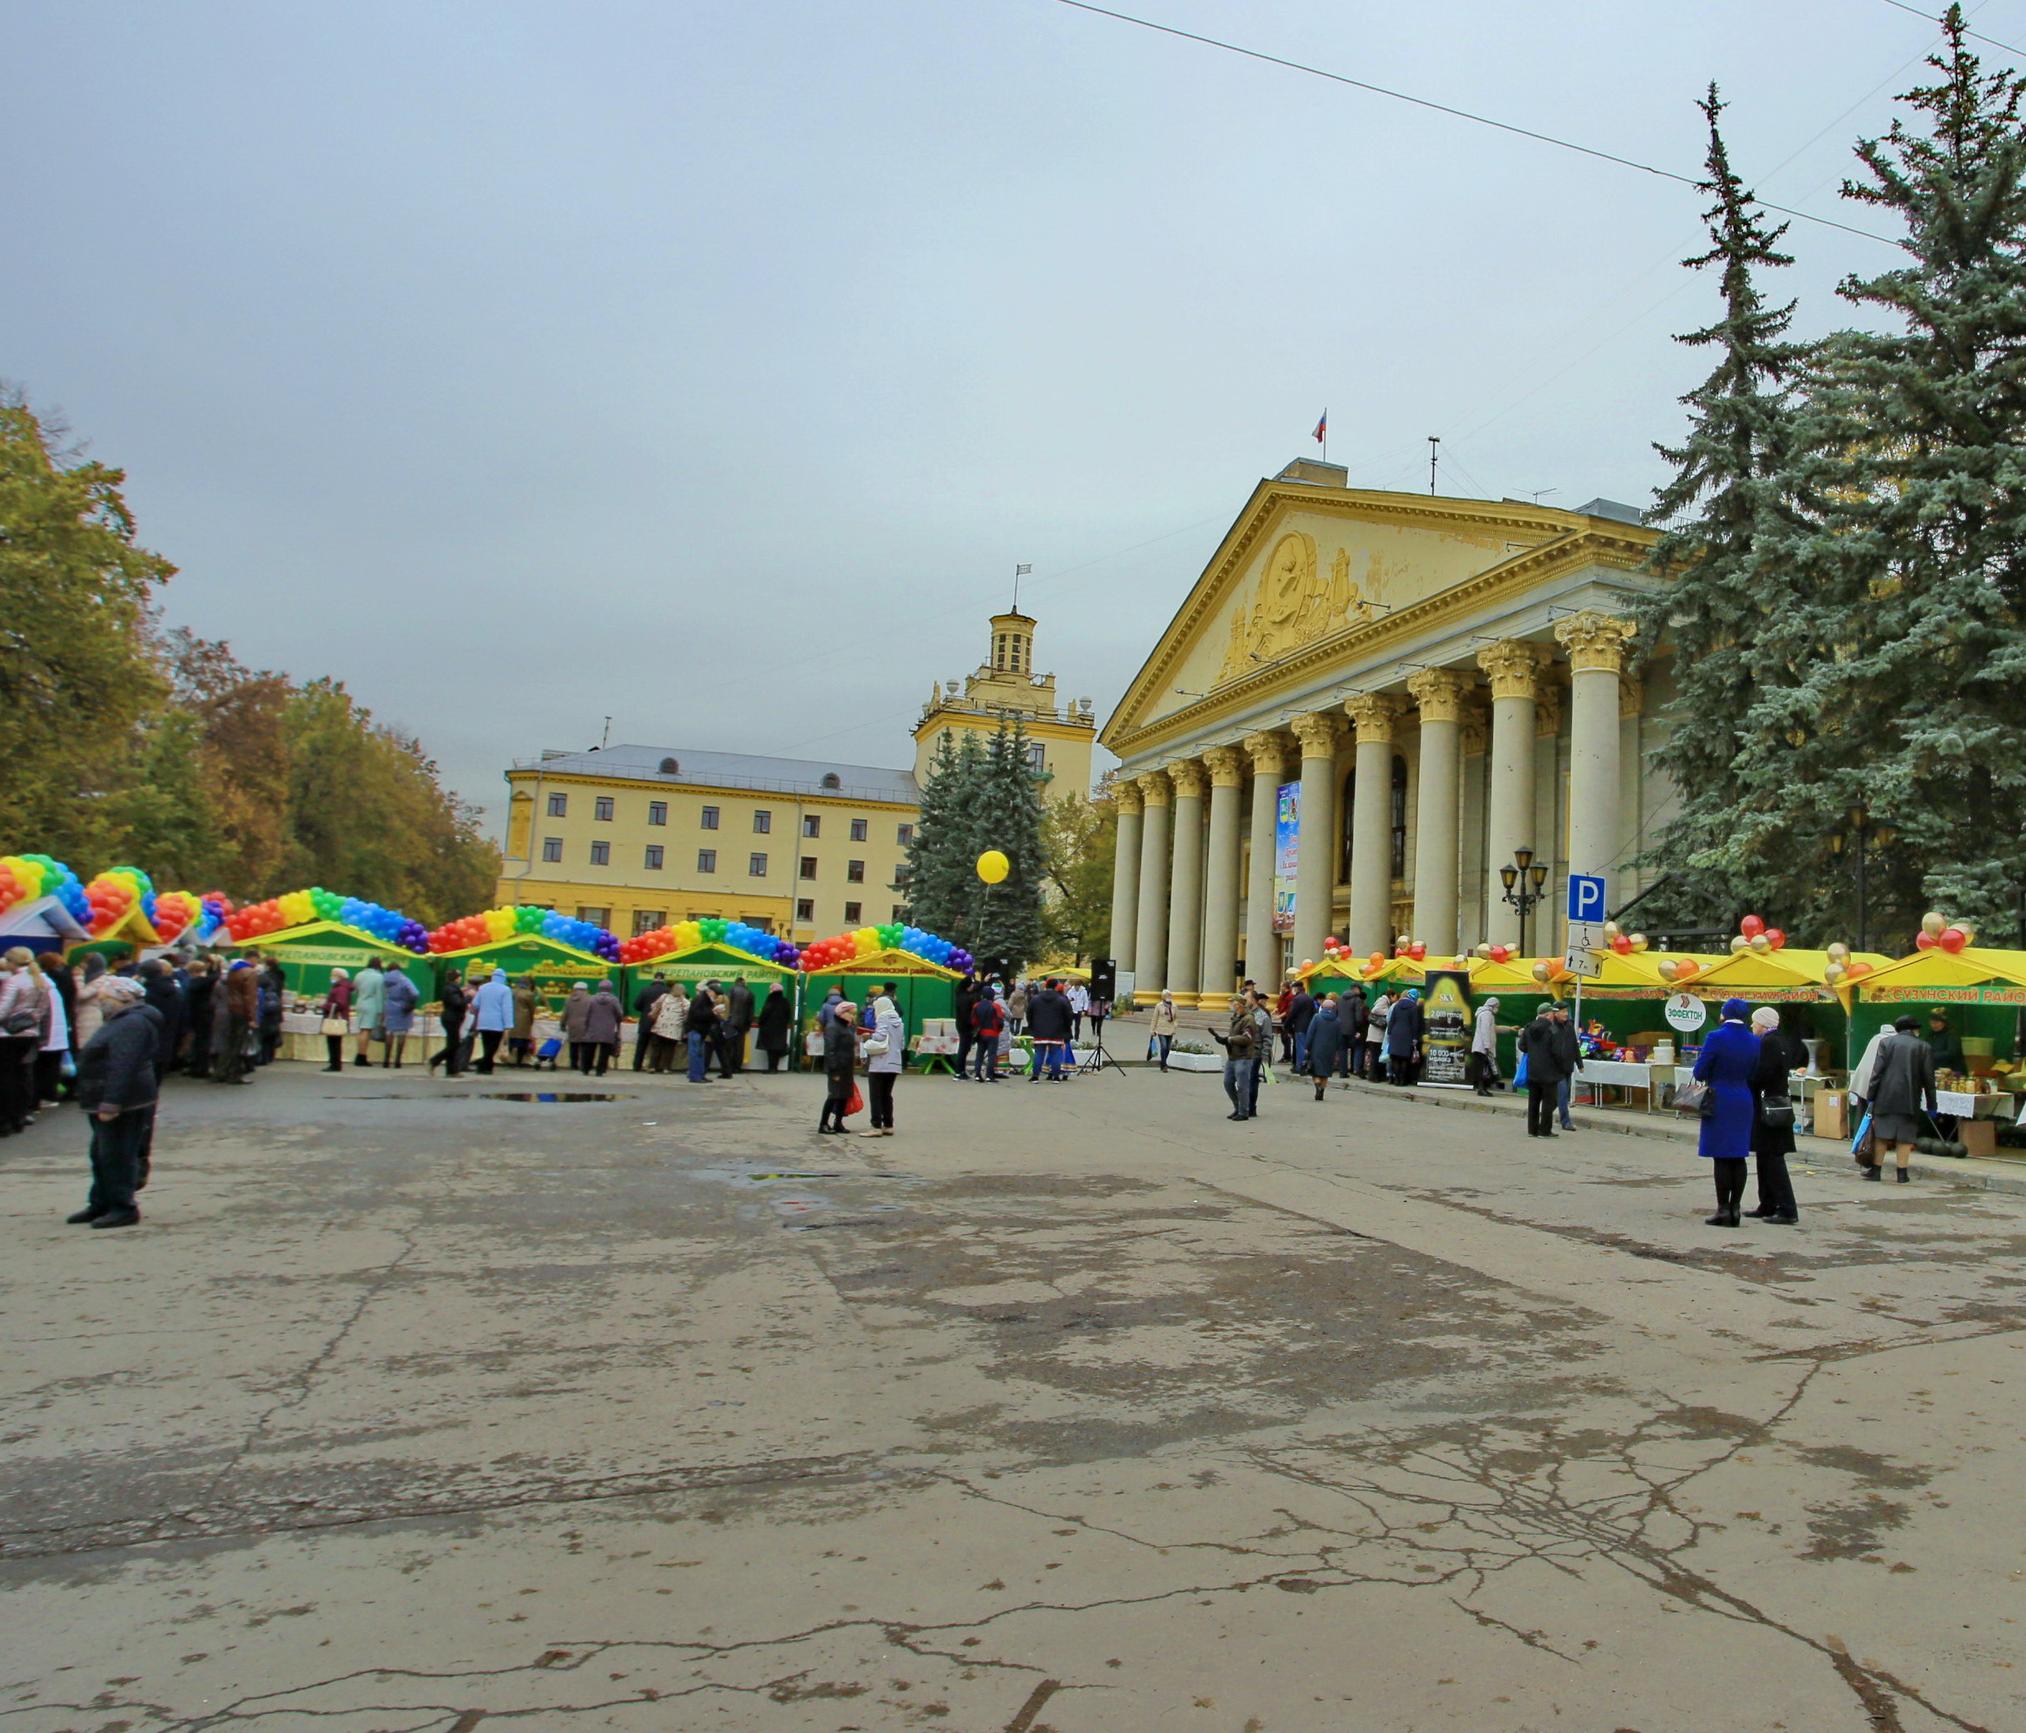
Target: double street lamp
[(1525, 882)]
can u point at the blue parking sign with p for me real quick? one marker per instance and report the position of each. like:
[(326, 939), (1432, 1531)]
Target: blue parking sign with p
[(1586, 896)]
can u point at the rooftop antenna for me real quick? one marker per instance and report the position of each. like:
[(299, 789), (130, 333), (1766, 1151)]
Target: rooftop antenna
[(1019, 572), (1539, 492), (1434, 441), (605, 739)]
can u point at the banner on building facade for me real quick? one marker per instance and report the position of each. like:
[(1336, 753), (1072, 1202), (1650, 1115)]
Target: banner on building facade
[(1445, 1040), (1286, 855)]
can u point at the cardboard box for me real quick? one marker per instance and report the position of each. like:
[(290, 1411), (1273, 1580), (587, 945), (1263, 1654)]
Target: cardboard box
[(1832, 1114), (1978, 1136)]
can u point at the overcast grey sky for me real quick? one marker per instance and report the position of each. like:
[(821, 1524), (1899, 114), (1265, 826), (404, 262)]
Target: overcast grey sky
[(712, 366)]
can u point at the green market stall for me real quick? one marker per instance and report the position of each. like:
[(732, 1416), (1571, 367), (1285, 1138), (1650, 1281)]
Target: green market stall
[(552, 966), (723, 964), (925, 989), (308, 954)]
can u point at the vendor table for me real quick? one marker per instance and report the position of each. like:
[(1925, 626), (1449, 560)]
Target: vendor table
[(934, 1053), (1598, 1075)]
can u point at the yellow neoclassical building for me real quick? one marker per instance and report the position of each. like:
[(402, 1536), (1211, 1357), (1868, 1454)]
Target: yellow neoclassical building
[(634, 837), (1366, 704)]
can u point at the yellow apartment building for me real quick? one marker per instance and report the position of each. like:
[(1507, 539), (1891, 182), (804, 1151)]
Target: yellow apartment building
[(634, 837)]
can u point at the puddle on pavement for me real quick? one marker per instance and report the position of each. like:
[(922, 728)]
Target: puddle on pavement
[(486, 1095)]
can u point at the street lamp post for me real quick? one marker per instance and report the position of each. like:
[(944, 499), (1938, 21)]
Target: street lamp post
[(1524, 880)]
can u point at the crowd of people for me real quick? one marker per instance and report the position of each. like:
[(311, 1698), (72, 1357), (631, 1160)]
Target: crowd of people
[(993, 1013)]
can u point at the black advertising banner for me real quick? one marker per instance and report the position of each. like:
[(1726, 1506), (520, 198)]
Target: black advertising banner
[(1445, 1044)]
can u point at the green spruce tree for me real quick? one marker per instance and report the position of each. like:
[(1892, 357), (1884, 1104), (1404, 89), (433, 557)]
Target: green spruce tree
[(942, 860), (1911, 588), (1009, 819), (1727, 493)]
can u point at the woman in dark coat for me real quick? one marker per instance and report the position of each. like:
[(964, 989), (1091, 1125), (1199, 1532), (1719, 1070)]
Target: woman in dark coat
[(1727, 1063), (840, 1056), (1403, 1037), (1325, 1042), (702, 1033), (777, 1018), (197, 1006), (1773, 1134), (273, 1002)]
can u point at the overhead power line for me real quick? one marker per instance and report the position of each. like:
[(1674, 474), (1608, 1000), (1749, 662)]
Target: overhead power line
[(1975, 35), (1455, 113)]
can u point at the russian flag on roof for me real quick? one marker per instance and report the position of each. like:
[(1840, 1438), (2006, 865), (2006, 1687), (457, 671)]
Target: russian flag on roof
[(1322, 427)]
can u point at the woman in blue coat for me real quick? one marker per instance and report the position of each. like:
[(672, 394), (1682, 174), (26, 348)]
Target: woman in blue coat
[(1726, 1063)]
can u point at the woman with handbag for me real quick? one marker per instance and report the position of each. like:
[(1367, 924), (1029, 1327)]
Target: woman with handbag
[(24, 1021), (885, 1054), (1773, 1118), (337, 1018), (840, 1059), (1726, 1065)]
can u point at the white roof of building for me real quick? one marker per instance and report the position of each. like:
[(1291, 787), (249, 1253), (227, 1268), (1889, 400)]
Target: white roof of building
[(731, 770)]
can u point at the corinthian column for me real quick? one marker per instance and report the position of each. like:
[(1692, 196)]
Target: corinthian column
[(1125, 876), (1440, 693), (1514, 669), (1226, 765), (1150, 947), (1596, 646), (1315, 875), (1374, 716), (1185, 895), (1268, 753)]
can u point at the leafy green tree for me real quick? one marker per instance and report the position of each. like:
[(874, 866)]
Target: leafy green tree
[(1079, 838), (76, 677), (1909, 623)]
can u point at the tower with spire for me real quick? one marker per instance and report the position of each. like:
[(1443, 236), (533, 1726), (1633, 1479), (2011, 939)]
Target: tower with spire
[(1004, 686)]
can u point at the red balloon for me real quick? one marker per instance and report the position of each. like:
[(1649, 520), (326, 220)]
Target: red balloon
[(1751, 926), (1622, 944), (1775, 937), (1926, 941), (1417, 951), (1954, 939)]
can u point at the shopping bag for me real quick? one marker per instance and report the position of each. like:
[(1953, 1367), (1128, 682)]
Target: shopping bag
[(1519, 1076), (1695, 1098), (856, 1104), (1860, 1145)]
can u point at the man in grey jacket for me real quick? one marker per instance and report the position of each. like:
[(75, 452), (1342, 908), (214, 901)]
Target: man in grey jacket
[(1902, 1083)]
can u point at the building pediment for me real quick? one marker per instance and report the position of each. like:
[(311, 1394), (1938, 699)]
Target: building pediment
[(1306, 572)]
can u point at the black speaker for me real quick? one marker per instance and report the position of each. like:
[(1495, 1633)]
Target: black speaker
[(987, 968), (1104, 979)]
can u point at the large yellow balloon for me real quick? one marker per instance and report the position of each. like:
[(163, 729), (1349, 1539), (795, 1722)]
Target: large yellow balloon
[(993, 866)]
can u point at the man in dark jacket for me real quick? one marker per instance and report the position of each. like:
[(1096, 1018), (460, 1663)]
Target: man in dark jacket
[(1569, 1055), (1300, 1014), (1944, 1043), (644, 1003), (1356, 1017), (158, 987), (1048, 1026), (1538, 1046), (962, 1004), (117, 1086), (738, 1020)]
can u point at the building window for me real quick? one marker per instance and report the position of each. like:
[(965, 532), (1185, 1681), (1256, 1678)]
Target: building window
[(854, 870), (759, 923), (1399, 818), (1037, 757), (646, 920), (601, 854), (597, 917), (851, 913), (756, 866), (812, 824), (706, 860), (763, 823), (559, 806), (808, 866), (552, 848), (601, 809), (657, 812), (654, 857), (671, 767), (710, 818), (832, 780), (805, 909), (901, 875), (858, 830), (1347, 824), (907, 835), (999, 651)]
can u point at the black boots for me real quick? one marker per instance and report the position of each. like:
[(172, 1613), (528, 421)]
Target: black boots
[(1903, 1176), (1872, 1172)]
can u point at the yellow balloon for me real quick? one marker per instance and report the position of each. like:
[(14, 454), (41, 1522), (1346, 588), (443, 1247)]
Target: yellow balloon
[(993, 866)]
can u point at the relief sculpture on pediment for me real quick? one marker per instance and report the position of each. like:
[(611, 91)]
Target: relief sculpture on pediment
[(1293, 605)]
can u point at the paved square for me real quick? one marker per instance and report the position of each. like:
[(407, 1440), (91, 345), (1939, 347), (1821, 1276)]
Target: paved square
[(1071, 1407)]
